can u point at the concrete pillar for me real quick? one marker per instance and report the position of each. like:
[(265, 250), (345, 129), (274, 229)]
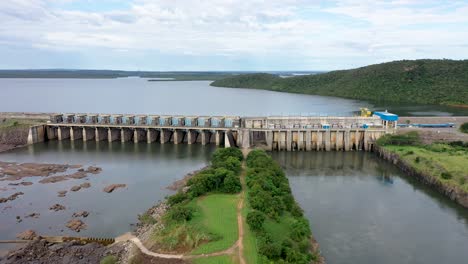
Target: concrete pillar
[(178, 136), (288, 140), (88, 133), (308, 140), (319, 140), (227, 143), (339, 140), (151, 135), (36, 134), (300, 140), (100, 134), (327, 140), (269, 140), (165, 136), (205, 137), (125, 135), (113, 134), (244, 141), (139, 135), (191, 136), (357, 140), (63, 133), (76, 133), (347, 140), (218, 137), (366, 140)]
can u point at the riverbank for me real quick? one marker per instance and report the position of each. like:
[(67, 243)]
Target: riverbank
[(442, 166), (14, 128)]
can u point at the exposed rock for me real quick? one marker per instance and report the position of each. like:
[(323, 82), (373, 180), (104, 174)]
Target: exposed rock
[(27, 235), (33, 215), (112, 187), (62, 193), (11, 197), (77, 175), (93, 170), (85, 185), (21, 183), (16, 171), (75, 188), (57, 207), (76, 225), (83, 214), (54, 179)]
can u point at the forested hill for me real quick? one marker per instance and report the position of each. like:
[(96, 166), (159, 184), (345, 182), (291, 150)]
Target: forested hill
[(417, 81)]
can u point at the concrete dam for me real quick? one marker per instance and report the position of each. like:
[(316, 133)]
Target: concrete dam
[(275, 133)]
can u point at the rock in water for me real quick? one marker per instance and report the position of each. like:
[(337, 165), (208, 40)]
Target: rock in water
[(80, 214), (27, 235), (57, 207), (76, 225), (112, 187)]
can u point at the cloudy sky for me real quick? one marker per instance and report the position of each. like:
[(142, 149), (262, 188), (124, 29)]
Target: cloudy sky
[(228, 34)]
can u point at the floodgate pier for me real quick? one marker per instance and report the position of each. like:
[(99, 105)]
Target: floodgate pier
[(274, 133)]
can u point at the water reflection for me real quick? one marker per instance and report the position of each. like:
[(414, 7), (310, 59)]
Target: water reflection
[(364, 210)]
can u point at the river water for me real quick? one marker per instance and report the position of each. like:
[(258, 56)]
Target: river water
[(361, 209)]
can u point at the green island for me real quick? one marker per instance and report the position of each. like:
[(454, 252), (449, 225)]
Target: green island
[(440, 82), (442, 165), (234, 211)]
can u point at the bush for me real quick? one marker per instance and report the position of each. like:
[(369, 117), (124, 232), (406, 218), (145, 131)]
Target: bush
[(417, 159), (221, 155), (446, 175), (177, 198), (255, 220), (180, 214), (110, 259), (147, 219), (408, 139), (271, 250), (232, 184), (464, 127)]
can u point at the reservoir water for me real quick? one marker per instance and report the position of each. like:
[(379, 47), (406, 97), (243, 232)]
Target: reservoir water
[(361, 209)]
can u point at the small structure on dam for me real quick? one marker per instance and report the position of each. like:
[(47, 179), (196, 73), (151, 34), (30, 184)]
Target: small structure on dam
[(281, 133)]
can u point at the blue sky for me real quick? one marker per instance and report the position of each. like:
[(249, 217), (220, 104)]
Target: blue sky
[(228, 34)]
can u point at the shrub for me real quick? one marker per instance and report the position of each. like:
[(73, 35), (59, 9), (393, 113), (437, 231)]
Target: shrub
[(255, 220), (177, 198), (110, 259), (271, 250), (221, 155), (300, 230), (446, 175), (408, 139), (230, 163), (417, 159), (464, 127), (232, 184), (180, 214), (147, 219)]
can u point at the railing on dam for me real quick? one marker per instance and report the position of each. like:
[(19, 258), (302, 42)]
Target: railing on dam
[(273, 133)]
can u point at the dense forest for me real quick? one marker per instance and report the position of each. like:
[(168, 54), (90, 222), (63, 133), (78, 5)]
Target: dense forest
[(408, 81)]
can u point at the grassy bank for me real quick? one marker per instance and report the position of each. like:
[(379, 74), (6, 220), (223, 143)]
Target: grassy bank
[(408, 81), (203, 218), (445, 162)]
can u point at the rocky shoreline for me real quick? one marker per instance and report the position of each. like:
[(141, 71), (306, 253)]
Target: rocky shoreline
[(452, 192)]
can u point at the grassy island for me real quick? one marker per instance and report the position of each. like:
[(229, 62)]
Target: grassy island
[(409, 81), (234, 211)]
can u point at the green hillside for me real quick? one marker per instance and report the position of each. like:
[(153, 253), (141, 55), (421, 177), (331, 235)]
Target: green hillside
[(418, 81)]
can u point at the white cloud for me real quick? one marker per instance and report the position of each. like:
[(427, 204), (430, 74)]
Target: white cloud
[(370, 30)]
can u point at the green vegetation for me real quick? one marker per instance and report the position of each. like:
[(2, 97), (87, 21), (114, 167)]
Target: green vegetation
[(108, 74), (12, 123), (110, 259), (417, 81), (408, 139), (446, 162), (214, 260), (203, 220), (146, 219), (250, 241), (282, 233), (464, 128), (218, 216)]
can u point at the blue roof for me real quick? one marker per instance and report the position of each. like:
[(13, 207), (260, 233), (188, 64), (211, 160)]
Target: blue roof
[(386, 116)]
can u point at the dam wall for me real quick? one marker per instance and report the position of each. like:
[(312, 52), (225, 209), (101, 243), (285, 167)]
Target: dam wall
[(293, 133)]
